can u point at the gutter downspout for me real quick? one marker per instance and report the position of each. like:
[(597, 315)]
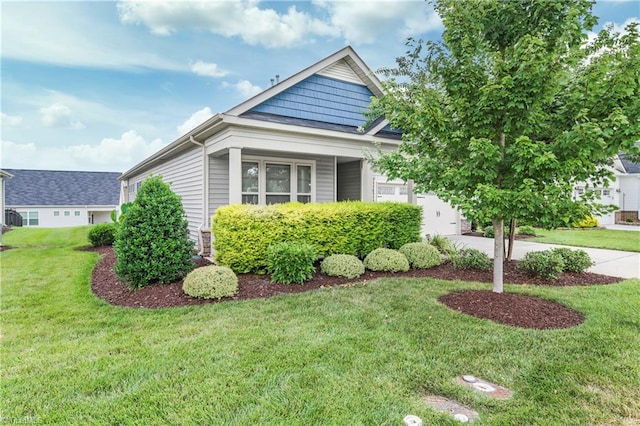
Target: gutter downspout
[(205, 193)]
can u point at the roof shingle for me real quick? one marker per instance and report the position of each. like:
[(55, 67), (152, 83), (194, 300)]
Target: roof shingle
[(61, 188)]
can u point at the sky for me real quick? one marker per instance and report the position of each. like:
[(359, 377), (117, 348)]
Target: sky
[(99, 86)]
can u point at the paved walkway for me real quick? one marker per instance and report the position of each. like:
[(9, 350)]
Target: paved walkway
[(608, 262), (623, 227)]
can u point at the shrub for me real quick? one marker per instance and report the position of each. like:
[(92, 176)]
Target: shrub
[(574, 260), (421, 255), (211, 282), (102, 234), (545, 264), (471, 259), (152, 242), (488, 231), (526, 230), (291, 262), (587, 222), (243, 233), (342, 265), (383, 259), (629, 220), (443, 244)]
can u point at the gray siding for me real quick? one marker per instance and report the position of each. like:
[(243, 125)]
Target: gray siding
[(324, 180), (349, 181), (185, 174), (218, 182)]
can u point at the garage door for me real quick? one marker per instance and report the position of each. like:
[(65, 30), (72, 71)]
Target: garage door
[(438, 216)]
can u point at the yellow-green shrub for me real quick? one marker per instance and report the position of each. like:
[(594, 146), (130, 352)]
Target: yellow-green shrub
[(342, 265), (243, 233), (587, 222)]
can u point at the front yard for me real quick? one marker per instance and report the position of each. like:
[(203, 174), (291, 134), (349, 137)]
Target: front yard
[(597, 238), (364, 354)]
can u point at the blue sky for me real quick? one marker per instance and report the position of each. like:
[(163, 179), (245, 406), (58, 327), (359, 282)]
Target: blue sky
[(101, 85)]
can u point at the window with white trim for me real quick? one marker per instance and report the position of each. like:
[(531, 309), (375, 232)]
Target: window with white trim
[(56, 213), (29, 218), (67, 213), (76, 213), (272, 181)]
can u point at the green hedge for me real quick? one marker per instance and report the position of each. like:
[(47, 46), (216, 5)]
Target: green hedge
[(243, 233)]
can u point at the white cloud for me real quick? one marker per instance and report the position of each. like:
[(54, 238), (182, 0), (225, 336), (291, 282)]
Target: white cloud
[(109, 155), (196, 119), (48, 34), (245, 88), (10, 120), (208, 69), (244, 19), (59, 115), (362, 22)]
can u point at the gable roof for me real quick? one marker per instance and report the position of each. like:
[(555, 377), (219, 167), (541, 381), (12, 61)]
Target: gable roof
[(343, 68), (62, 188), (629, 166)]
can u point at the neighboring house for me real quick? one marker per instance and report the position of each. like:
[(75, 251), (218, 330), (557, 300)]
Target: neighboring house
[(51, 198), (300, 140), (623, 191), (3, 176)]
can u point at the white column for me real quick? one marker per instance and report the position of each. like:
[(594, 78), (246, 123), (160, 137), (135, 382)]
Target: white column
[(366, 177), (235, 175)]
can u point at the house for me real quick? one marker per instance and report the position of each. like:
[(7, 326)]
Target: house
[(52, 198), (3, 176), (623, 191), (303, 139)]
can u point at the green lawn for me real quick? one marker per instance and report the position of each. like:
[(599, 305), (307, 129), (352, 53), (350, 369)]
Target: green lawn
[(362, 355), (596, 238)]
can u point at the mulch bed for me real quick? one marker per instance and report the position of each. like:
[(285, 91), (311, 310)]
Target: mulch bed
[(108, 287)]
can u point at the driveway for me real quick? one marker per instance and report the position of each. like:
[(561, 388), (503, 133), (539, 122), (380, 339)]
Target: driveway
[(615, 263)]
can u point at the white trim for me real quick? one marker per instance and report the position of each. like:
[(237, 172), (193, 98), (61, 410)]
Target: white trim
[(293, 184), (350, 57)]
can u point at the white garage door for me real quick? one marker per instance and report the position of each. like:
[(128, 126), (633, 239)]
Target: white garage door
[(438, 216)]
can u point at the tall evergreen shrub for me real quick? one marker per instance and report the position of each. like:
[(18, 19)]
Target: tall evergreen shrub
[(152, 242)]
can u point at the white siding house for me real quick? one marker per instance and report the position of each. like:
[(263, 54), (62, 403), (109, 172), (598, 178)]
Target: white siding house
[(53, 198), (302, 139)]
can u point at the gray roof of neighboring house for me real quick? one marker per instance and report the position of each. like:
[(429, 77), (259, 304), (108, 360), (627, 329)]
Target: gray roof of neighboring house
[(629, 166), (61, 188)]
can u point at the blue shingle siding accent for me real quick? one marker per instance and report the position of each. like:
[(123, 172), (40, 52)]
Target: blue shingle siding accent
[(321, 99), (61, 188), (629, 166)]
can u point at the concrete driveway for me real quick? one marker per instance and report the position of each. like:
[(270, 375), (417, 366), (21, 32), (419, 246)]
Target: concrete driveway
[(615, 263)]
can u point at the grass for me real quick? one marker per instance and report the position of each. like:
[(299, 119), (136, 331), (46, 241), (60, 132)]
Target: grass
[(596, 238), (362, 355)]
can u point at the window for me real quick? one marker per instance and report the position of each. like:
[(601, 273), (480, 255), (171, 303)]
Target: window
[(67, 213), (76, 213), (29, 218), (278, 178), (56, 213), (304, 183), (606, 192), (250, 173), (277, 181)]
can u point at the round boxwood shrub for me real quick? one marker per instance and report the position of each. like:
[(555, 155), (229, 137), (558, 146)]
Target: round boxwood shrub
[(545, 264), (574, 260), (342, 265), (291, 262), (526, 230), (152, 242), (102, 234), (471, 259), (211, 282), (383, 259), (421, 255)]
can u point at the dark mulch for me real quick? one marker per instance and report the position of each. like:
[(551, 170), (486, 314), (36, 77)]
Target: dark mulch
[(106, 285), (3, 248), (513, 309)]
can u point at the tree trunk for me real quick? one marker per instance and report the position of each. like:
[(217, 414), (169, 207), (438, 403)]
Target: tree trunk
[(498, 254), (512, 237)]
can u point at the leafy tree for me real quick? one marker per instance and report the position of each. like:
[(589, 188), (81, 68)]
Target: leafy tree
[(152, 242), (511, 109)]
